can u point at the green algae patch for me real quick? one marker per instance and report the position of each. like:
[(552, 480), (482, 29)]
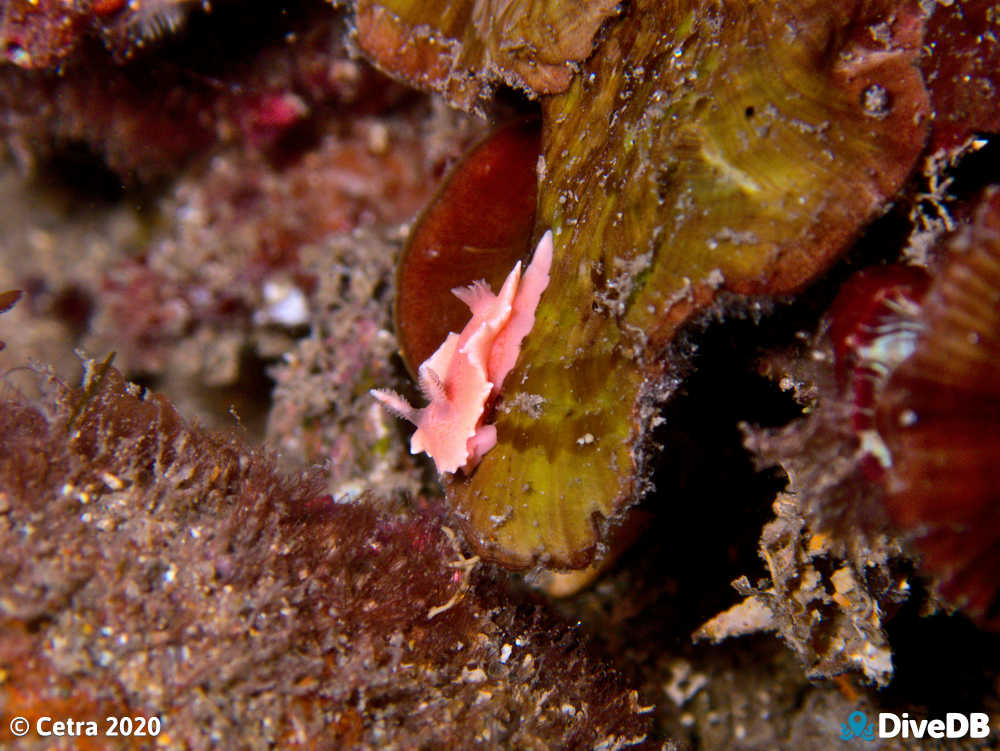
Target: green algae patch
[(705, 147)]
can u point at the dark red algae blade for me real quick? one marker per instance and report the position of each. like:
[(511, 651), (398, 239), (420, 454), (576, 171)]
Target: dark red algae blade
[(477, 226), (961, 65)]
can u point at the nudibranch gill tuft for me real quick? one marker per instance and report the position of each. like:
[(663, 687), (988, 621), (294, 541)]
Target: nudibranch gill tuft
[(468, 369)]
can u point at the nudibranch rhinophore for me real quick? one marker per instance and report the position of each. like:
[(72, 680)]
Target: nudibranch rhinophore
[(469, 369)]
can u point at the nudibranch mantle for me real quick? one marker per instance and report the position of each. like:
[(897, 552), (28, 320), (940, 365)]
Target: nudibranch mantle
[(469, 368)]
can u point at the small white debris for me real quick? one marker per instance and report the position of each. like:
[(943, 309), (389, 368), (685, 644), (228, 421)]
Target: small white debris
[(285, 305), (113, 482), (684, 683), (747, 617), (476, 675), (498, 520), (378, 138), (106, 524), (873, 445)]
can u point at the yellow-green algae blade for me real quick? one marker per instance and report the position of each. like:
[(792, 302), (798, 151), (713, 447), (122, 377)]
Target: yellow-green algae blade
[(706, 146)]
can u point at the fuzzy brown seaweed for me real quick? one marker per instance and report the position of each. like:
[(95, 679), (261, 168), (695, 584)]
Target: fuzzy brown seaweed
[(149, 567)]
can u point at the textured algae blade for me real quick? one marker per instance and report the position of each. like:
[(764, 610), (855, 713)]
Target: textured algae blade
[(706, 146), (463, 48)]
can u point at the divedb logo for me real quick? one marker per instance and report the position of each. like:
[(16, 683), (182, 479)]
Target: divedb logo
[(892, 725)]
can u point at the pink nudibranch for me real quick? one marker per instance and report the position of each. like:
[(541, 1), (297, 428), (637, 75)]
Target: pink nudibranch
[(469, 368)]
